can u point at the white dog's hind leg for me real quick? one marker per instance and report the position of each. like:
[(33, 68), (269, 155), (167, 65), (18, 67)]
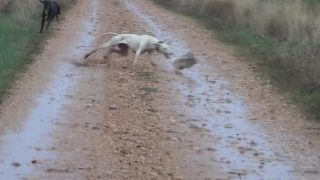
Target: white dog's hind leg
[(104, 46), (150, 58)]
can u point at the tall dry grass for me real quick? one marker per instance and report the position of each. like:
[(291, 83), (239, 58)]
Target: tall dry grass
[(21, 9), (24, 9), (282, 36), (285, 19)]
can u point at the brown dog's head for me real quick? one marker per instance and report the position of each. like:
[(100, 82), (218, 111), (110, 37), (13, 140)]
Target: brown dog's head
[(45, 3)]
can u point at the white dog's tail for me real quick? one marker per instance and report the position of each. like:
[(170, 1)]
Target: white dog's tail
[(108, 33)]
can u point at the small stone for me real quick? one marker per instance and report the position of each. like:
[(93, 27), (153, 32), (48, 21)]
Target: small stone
[(89, 105), (228, 126), (16, 164), (112, 107)]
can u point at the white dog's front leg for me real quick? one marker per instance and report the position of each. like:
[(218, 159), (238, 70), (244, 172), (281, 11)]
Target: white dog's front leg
[(150, 58), (136, 58)]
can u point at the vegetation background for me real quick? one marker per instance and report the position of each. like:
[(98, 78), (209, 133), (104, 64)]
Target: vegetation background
[(19, 37), (280, 36)]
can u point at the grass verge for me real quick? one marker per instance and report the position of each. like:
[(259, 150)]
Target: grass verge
[(291, 65), (17, 45), (19, 42)]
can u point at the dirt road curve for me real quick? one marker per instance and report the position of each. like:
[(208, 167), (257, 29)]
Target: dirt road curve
[(217, 120)]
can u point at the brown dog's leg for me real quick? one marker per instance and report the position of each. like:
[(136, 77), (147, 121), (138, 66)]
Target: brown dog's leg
[(43, 21)]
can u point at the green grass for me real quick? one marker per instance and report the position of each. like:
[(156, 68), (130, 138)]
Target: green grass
[(18, 41), (291, 66)]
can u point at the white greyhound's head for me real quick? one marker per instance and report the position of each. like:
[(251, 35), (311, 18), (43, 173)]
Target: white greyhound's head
[(164, 49)]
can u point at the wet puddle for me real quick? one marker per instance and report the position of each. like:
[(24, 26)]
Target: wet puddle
[(243, 150), (23, 149)]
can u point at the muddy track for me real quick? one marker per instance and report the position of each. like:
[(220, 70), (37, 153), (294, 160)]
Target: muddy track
[(217, 120)]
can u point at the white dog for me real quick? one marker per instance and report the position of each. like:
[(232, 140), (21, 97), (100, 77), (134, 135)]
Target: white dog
[(137, 43)]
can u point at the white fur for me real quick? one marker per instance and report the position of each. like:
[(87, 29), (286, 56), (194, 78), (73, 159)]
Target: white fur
[(138, 43)]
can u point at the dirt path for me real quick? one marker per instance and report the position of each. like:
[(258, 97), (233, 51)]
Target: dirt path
[(217, 120)]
